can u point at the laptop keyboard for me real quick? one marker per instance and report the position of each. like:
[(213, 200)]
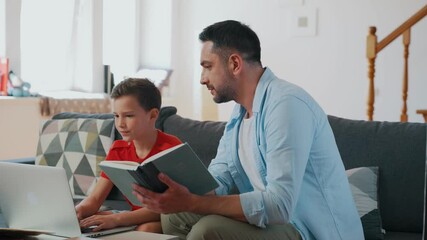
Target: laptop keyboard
[(88, 229)]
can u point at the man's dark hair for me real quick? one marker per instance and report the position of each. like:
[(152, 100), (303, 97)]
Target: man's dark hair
[(233, 35), (147, 94)]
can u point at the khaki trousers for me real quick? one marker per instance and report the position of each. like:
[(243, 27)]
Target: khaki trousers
[(205, 227)]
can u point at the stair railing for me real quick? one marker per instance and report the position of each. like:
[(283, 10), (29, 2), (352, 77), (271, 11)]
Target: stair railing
[(373, 47)]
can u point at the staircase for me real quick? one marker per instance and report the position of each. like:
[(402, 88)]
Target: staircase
[(373, 47)]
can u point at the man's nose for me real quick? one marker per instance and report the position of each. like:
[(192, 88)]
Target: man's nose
[(203, 79)]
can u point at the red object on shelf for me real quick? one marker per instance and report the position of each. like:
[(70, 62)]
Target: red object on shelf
[(4, 69)]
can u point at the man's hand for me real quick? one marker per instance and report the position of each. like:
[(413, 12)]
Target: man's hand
[(175, 199)]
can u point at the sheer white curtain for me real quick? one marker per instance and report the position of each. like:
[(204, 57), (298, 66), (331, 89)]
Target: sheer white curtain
[(45, 43), (121, 41), (61, 45), (85, 56)]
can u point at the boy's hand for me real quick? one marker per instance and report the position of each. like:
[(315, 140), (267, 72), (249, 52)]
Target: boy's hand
[(102, 220), (79, 212)]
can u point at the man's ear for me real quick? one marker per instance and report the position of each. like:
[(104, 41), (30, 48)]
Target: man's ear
[(235, 62)]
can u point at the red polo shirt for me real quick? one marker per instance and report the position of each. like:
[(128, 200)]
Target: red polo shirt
[(125, 151)]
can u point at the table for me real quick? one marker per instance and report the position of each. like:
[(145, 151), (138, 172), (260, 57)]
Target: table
[(119, 236), (132, 235)]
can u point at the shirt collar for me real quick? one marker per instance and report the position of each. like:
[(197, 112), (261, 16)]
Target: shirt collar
[(261, 89), (260, 92)]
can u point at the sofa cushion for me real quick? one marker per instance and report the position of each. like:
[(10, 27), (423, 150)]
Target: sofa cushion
[(363, 184), (203, 136), (399, 150), (77, 145)]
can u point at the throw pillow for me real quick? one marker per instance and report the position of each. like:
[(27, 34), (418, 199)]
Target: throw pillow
[(364, 188), (77, 145)]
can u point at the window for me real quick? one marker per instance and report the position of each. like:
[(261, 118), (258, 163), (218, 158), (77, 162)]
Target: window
[(121, 37), (64, 44), (61, 45), (45, 43)]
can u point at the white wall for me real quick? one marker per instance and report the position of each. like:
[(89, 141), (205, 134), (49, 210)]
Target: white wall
[(331, 66), (155, 29)]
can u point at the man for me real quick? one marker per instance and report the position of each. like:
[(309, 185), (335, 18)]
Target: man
[(278, 151)]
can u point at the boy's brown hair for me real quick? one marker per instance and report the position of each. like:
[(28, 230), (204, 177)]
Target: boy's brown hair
[(147, 94)]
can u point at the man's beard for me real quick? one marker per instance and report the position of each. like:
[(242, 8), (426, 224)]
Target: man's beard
[(226, 93)]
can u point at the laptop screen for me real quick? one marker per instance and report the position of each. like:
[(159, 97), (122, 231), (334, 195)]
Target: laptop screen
[(37, 197)]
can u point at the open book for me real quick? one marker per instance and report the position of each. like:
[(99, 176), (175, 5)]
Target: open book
[(180, 163)]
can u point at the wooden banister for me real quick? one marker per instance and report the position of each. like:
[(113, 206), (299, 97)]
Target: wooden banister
[(373, 47), (406, 41), (402, 28), (371, 54)]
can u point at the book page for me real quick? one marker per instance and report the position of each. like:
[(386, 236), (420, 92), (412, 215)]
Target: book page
[(126, 165), (164, 152), (130, 163)]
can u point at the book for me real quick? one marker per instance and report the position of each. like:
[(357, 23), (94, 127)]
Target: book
[(4, 75), (180, 163), (108, 79)]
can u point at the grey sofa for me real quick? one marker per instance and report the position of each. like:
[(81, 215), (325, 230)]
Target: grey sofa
[(398, 149)]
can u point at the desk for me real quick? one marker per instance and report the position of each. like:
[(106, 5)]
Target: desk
[(139, 235), (132, 235)]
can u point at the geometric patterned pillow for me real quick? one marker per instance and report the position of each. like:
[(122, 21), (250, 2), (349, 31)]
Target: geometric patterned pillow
[(77, 145), (364, 188)]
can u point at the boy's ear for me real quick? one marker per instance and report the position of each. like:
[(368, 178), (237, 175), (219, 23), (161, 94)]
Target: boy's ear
[(154, 113)]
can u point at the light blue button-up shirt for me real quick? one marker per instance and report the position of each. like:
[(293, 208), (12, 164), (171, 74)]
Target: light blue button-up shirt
[(299, 163)]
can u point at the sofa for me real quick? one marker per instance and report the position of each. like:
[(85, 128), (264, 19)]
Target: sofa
[(396, 150)]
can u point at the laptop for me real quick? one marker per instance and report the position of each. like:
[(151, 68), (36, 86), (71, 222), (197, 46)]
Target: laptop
[(39, 198)]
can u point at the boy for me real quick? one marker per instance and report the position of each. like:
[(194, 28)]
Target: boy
[(136, 105)]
